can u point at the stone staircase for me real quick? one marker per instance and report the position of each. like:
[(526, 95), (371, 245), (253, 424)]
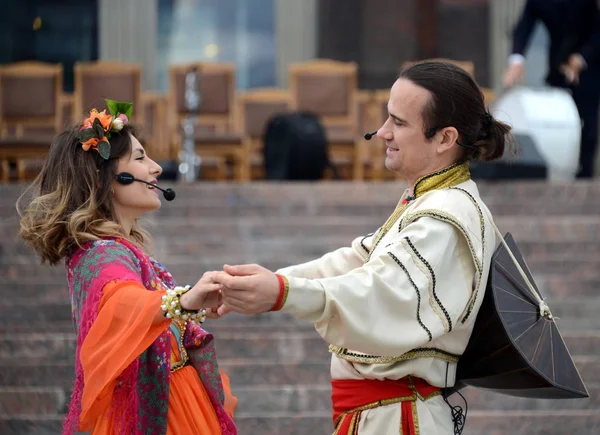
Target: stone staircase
[(279, 365)]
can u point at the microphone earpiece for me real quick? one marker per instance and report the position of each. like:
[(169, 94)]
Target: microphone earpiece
[(368, 136), (126, 178)]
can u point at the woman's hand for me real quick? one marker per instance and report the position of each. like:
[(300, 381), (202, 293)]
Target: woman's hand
[(206, 293)]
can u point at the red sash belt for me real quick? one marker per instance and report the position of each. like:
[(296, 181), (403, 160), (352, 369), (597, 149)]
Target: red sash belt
[(351, 397)]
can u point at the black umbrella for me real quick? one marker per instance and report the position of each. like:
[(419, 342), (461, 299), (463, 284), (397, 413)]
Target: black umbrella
[(516, 348)]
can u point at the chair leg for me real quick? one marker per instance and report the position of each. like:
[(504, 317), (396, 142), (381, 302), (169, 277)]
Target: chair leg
[(5, 171), (242, 168), (21, 173), (358, 164)]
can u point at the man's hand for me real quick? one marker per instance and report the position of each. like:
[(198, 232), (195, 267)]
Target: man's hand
[(206, 293), (247, 289), (572, 69), (513, 75)]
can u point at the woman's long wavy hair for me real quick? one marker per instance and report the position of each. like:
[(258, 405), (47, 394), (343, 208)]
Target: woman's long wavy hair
[(71, 200)]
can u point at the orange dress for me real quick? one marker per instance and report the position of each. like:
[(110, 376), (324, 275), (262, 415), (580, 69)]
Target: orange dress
[(123, 329)]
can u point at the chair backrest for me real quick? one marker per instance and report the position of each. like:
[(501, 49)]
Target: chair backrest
[(467, 65), (257, 107), (95, 81), (217, 94), (30, 96), (325, 88)]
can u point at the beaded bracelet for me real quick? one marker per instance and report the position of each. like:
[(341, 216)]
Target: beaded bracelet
[(172, 306)]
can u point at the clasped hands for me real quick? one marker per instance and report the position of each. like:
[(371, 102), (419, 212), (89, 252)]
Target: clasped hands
[(246, 289)]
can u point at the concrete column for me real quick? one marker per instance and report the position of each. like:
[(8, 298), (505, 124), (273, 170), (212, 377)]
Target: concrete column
[(504, 15), (295, 34), (128, 33)]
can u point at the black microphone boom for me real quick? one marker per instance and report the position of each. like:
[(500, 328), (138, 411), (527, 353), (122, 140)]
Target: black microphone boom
[(126, 178), (368, 136)]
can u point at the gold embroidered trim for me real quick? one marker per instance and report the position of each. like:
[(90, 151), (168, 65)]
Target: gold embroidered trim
[(424, 352), (427, 270), (373, 405), (286, 291), (482, 225), (389, 223), (447, 177), (181, 325), (419, 320), (354, 423), (384, 402), (451, 176), (415, 416), (362, 242), (446, 217)]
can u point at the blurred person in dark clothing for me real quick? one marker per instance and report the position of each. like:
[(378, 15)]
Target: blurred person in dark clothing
[(574, 61)]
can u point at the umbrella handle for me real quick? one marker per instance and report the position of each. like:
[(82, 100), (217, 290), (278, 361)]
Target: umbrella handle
[(544, 309)]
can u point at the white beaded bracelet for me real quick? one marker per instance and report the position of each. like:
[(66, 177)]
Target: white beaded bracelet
[(173, 310)]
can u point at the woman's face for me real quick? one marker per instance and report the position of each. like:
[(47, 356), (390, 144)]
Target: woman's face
[(132, 200)]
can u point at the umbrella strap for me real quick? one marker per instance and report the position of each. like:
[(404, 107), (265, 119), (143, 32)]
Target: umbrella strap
[(544, 309)]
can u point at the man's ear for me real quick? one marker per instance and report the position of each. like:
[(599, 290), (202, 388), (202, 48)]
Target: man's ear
[(447, 138)]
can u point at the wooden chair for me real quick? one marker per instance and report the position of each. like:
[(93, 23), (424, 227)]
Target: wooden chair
[(328, 89), (467, 65), (380, 114), (155, 130), (255, 109), (216, 134), (95, 81), (30, 112)]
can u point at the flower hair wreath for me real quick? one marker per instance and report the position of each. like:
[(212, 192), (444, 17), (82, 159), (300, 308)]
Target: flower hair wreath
[(96, 129)]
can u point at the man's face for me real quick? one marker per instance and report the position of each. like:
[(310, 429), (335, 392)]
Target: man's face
[(409, 153)]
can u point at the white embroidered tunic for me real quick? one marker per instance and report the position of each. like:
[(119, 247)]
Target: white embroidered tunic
[(403, 301)]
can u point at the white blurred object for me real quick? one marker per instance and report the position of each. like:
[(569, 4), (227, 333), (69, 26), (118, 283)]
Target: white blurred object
[(549, 116)]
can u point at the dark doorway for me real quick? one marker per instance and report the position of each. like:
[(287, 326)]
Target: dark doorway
[(57, 31)]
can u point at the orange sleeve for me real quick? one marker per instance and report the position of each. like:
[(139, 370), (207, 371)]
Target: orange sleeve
[(230, 400), (122, 331)]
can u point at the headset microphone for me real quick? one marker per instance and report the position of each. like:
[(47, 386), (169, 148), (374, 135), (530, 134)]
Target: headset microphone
[(126, 178), (368, 136)]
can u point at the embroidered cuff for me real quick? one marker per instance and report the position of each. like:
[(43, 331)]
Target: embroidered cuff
[(284, 288)]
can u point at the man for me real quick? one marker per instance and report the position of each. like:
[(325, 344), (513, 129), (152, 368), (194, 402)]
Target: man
[(574, 61), (397, 307)]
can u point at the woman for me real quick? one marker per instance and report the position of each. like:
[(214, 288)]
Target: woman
[(143, 365)]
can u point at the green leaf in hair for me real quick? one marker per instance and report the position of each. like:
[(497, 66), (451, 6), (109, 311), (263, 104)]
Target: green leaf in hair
[(104, 149), (86, 134), (116, 108), (98, 128), (112, 107)]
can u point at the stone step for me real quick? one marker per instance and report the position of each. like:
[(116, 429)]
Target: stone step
[(309, 247), (581, 422), (297, 399), (276, 346), (240, 227), (313, 398), (33, 400), (350, 197), (243, 372), (189, 269), (305, 247), (25, 290), (572, 313), (478, 423)]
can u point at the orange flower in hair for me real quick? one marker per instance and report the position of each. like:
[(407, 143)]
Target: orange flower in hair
[(96, 129), (105, 119)]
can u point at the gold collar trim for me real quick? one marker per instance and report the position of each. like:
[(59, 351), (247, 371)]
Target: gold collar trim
[(447, 177)]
